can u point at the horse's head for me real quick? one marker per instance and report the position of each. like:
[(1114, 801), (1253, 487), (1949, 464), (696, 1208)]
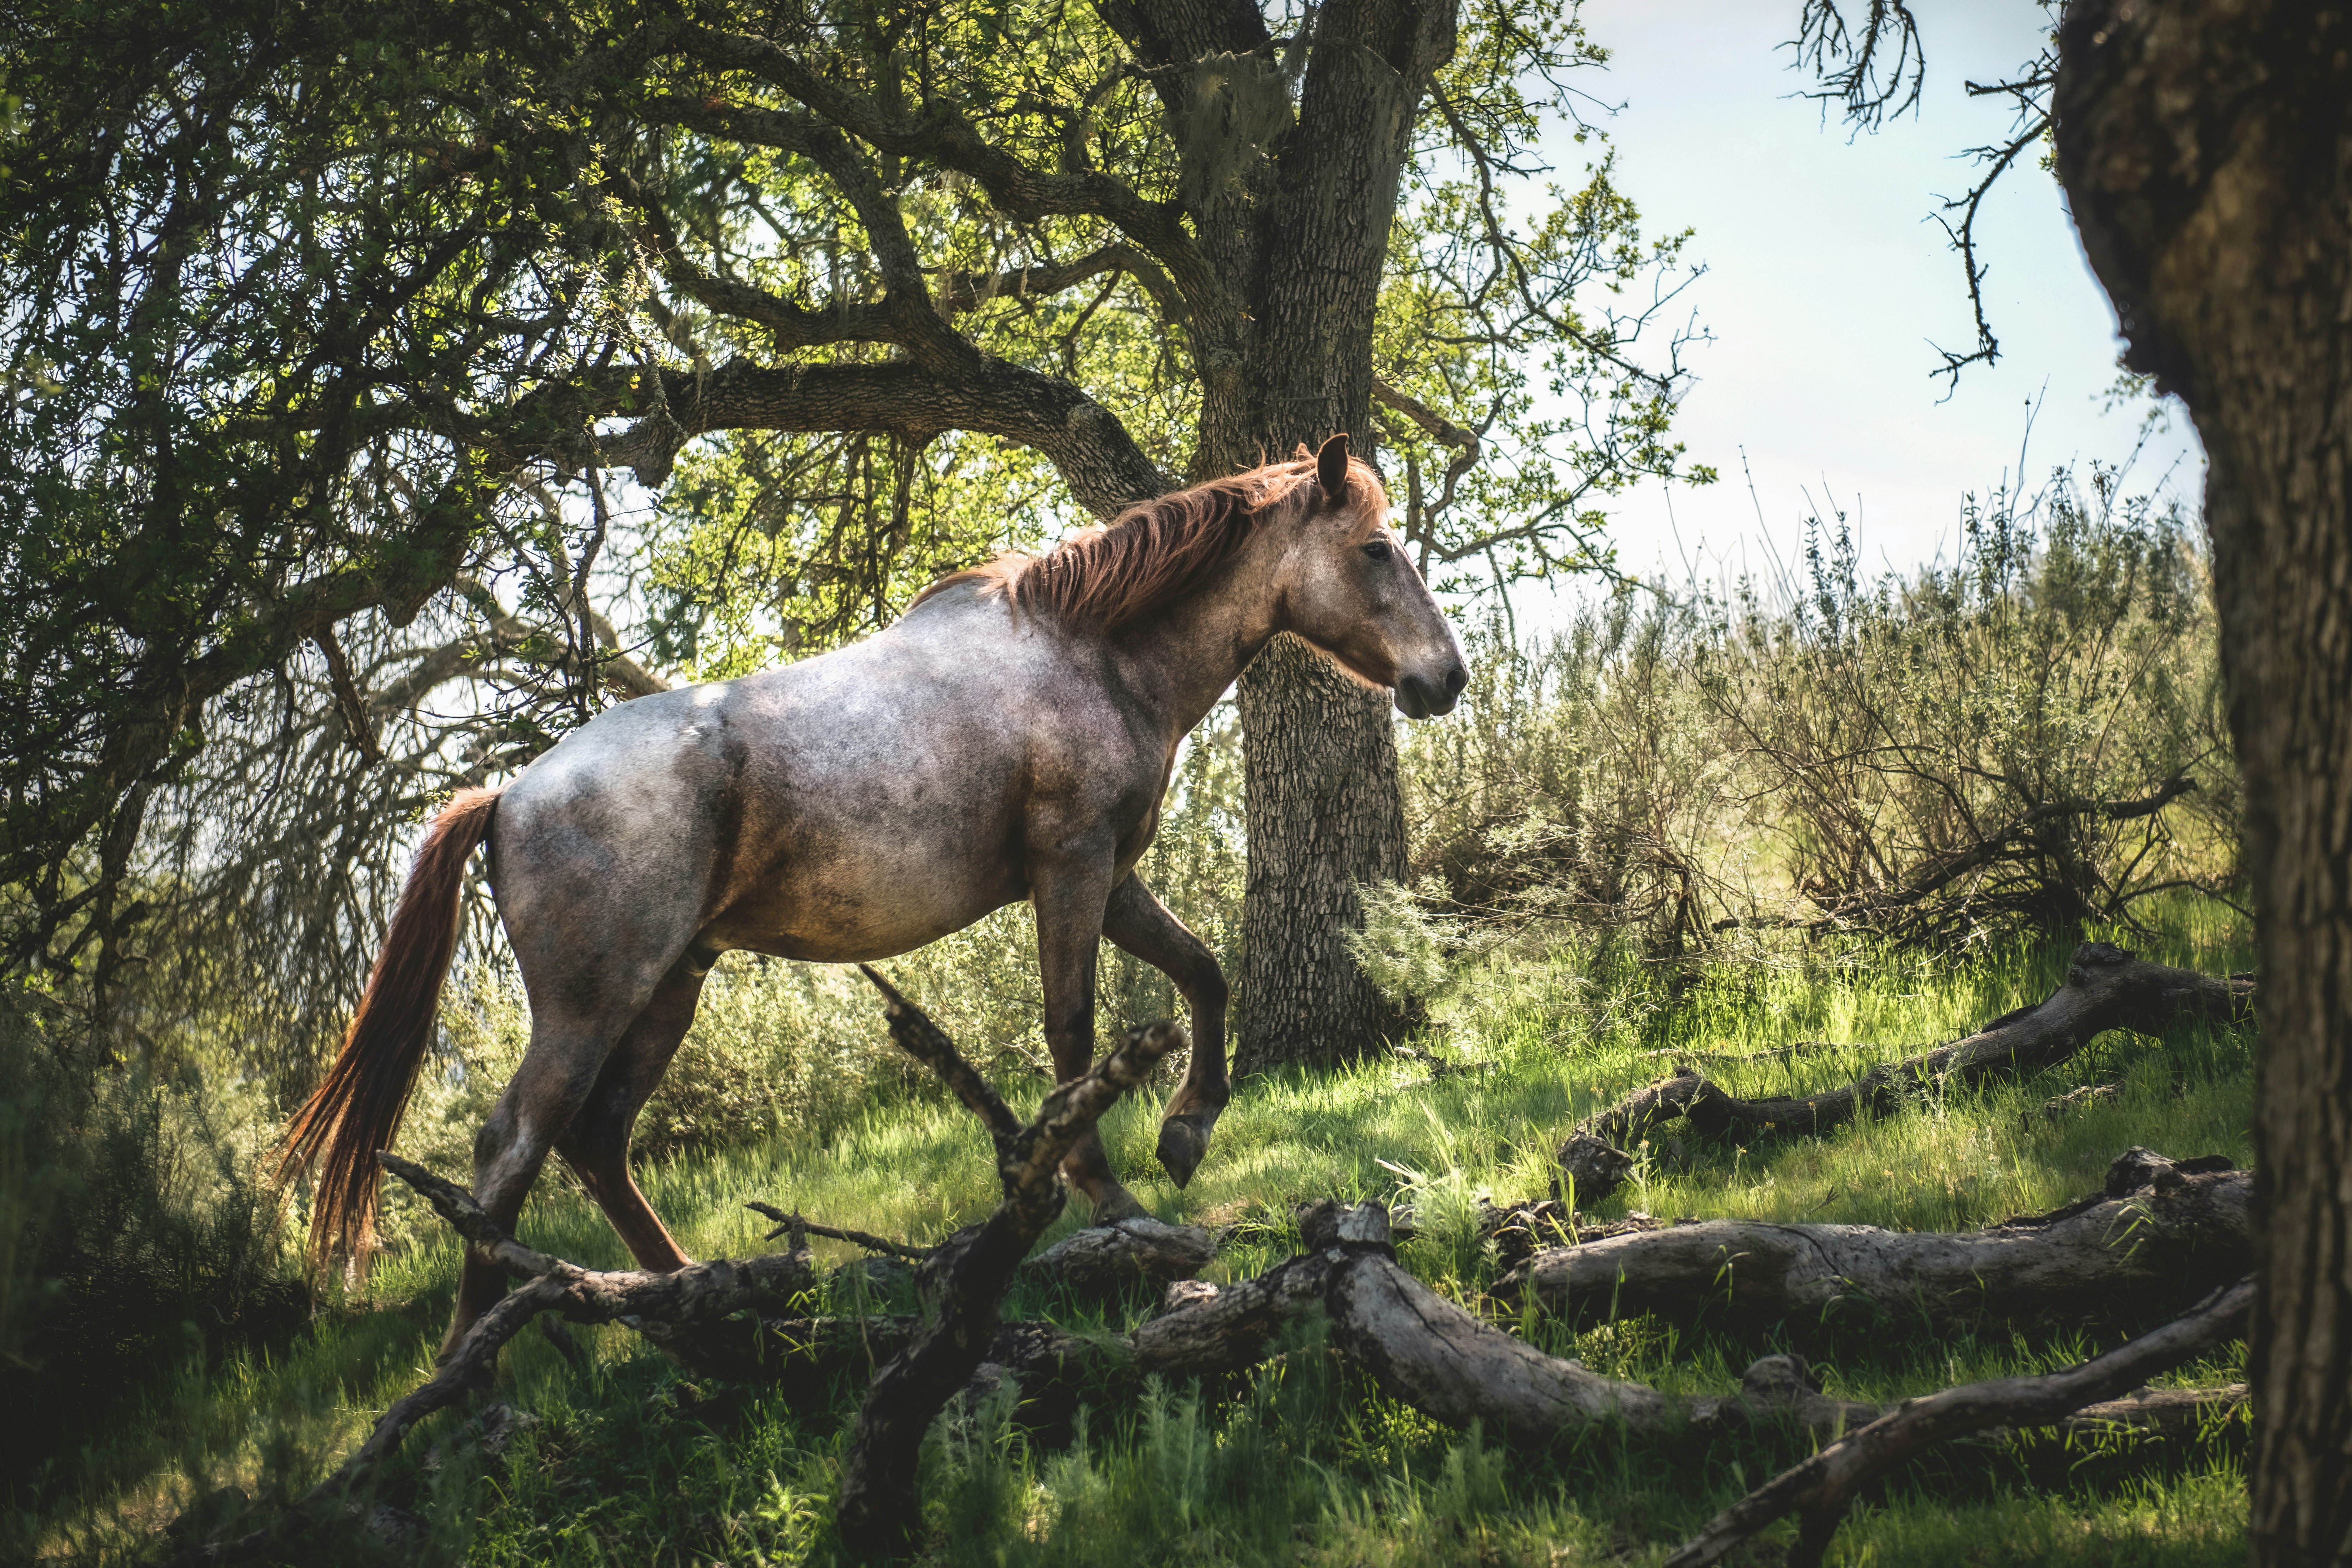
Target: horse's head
[(1348, 588)]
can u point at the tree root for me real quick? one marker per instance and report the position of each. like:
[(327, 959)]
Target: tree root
[(2161, 1230), (2105, 988)]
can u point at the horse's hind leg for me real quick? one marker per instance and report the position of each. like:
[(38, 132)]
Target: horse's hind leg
[(547, 1091), (596, 1144), (1067, 892), (1141, 923)]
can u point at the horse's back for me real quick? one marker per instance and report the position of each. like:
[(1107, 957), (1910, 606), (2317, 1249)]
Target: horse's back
[(852, 805)]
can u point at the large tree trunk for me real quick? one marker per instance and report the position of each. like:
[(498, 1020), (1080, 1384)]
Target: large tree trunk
[(1325, 816), (1302, 236), (2207, 151)]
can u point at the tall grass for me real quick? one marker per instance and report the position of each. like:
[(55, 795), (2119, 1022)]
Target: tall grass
[(1303, 1461)]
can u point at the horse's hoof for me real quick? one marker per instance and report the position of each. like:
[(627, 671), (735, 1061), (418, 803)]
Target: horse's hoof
[(1183, 1144)]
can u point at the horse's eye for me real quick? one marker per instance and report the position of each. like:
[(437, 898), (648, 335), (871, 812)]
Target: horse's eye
[(1378, 550)]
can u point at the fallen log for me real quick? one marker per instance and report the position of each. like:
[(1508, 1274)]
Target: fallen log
[(2105, 988), (699, 1294), (1101, 1261), (1106, 1260), (2159, 1231), (1450, 1363), (1429, 1353), (1821, 1488)]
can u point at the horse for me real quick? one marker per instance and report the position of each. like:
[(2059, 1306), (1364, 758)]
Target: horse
[(1010, 737)]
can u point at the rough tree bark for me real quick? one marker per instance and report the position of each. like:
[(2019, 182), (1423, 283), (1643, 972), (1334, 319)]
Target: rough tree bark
[(2159, 1235), (1300, 237), (2205, 150)]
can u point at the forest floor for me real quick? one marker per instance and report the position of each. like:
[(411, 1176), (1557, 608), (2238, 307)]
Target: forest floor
[(624, 1459)]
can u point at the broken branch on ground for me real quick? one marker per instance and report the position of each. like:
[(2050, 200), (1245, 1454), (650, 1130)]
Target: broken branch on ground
[(2105, 988)]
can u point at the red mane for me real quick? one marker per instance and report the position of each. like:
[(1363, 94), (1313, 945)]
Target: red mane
[(1164, 549)]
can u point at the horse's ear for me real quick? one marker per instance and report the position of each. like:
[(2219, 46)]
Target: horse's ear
[(1331, 468)]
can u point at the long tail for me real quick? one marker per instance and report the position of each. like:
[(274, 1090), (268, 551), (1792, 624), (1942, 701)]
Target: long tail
[(357, 1109)]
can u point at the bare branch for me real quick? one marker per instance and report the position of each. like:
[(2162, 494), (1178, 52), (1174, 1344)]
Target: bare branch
[(1822, 1487), (1854, 67)]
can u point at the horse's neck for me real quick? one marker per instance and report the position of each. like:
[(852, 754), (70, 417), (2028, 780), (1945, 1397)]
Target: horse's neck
[(1196, 647)]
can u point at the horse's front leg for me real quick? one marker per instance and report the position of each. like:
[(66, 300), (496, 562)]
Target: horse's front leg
[(1141, 923), (1069, 891)]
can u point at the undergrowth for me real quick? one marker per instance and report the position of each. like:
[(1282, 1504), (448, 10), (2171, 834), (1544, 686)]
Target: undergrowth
[(1304, 1461)]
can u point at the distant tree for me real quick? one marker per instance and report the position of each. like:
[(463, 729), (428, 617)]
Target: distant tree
[(330, 325)]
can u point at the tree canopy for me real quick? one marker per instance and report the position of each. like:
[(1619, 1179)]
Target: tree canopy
[(335, 329)]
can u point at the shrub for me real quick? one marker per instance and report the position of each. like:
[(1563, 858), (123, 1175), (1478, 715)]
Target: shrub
[(1580, 783), (2032, 739), (131, 1231)]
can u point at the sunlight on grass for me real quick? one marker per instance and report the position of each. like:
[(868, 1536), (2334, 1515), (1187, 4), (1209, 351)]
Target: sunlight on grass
[(1308, 1463)]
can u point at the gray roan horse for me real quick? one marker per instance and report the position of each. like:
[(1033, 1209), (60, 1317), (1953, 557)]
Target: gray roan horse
[(1010, 738)]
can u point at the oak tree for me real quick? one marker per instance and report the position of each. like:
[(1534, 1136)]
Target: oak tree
[(335, 329)]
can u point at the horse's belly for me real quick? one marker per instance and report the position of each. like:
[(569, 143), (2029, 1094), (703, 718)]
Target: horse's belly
[(873, 894), (862, 935)]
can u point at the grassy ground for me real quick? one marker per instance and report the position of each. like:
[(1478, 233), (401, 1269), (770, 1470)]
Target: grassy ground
[(1303, 1463)]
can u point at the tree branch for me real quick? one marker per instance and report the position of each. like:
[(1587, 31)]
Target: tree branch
[(1822, 1487), (2105, 988)]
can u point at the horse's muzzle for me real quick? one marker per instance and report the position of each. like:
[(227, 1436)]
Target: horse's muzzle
[(1419, 697)]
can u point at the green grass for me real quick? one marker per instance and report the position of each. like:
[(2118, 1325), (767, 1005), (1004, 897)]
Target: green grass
[(1303, 1462)]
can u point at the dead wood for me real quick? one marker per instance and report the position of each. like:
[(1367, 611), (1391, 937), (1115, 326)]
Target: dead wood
[(2105, 988), (2159, 1222), (866, 1239), (1101, 1261), (1106, 1260), (2081, 1099), (1445, 1361), (2160, 1231), (1434, 1354), (1821, 1488), (1458, 1367), (699, 1294), (1520, 1230), (1788, 1052), (965, 1277)]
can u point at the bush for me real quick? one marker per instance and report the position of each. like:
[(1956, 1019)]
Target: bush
[(131, 1233), (1579, 784), (2030, 740)]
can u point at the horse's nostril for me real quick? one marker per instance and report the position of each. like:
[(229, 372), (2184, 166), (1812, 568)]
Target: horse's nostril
[(1456, 679)]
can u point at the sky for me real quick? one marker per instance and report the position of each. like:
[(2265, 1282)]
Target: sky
[(1828, 282)]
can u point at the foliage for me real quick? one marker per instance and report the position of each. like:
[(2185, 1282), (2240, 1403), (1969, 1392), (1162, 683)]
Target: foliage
[(1580, 781), (1997, 742), (2032, 738), (335, 330)]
